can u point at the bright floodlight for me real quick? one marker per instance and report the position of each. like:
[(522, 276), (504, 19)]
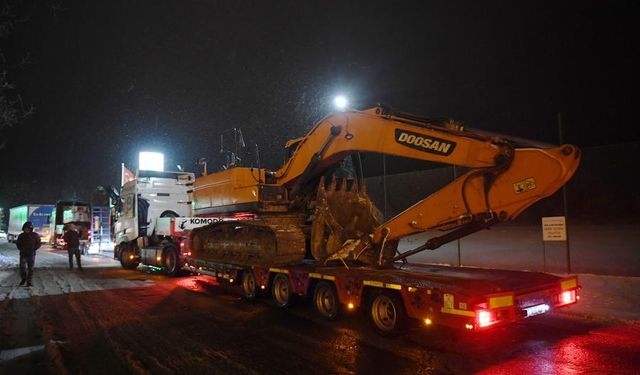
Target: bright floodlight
[(340, 102), (151, 161)]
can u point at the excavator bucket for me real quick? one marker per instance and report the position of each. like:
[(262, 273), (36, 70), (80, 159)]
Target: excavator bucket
[(343, 214)]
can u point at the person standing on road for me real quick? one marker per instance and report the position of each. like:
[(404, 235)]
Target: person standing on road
[(72, 243), (28, 242)]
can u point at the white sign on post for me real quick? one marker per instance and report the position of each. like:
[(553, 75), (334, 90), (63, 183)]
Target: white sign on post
[(554, 228)]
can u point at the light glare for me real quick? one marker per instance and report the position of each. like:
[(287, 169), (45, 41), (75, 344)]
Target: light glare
[(484, 318), (151, 161), (567, 297), (340, 102)]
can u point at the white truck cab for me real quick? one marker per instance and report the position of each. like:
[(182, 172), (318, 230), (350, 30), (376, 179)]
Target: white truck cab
[(152, 195)]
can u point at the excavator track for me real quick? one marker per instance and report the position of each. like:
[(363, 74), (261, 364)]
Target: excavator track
[(250, 243)]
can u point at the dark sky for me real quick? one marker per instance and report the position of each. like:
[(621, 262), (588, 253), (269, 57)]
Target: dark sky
[(111, 78)]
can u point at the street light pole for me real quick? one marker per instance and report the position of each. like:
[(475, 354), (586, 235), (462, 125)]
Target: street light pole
[(455, 176), (384, 185), (564, 199)]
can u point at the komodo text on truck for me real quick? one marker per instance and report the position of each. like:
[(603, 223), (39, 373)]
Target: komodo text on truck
[(317, 233)]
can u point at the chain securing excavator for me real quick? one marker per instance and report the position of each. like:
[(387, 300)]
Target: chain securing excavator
[(303, 211)]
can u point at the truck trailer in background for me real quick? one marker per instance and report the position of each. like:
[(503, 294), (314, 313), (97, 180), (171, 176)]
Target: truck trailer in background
[(38, 214), (70, 212)]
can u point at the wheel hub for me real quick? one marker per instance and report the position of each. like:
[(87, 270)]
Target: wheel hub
[(384, 313)]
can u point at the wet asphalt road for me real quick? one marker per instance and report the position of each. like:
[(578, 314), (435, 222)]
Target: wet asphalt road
[(159, 325)]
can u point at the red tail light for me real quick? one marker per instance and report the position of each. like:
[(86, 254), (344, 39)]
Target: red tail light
[(484, 318), (184, 248), (566, 297)]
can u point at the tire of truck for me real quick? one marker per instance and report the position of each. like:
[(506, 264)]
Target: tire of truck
[(126, 261), (281, 291), (249, 285), (325, 300), (170, 261), (387, 313)]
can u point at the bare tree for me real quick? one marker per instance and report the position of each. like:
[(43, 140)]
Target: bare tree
[(12, 109)]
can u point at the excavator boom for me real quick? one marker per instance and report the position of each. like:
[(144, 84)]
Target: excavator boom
[(343, 133)]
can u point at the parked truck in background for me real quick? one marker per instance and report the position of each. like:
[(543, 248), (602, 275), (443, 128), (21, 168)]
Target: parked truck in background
[(69, 212), (316, 233), (38, 214)]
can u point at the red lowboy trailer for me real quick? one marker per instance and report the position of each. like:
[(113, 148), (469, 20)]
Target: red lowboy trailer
[(458, 297)]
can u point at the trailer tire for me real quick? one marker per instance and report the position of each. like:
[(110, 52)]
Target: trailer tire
[(387, 313), (249, 285), (170, 261), (325, 300), (281, 290), (125, 260)]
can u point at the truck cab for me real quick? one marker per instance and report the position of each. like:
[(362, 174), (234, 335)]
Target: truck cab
[(150, 196)]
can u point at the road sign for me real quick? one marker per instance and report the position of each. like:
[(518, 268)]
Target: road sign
[(554, 228)]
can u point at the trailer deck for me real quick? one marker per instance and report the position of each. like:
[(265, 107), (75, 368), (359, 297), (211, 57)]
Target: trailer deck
[(461, 297)]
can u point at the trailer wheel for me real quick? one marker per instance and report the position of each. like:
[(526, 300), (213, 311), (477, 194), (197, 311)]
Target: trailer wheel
[(325, 300), (387, 313), (249, 286), (126, 261), (170, 260), (281, 291)]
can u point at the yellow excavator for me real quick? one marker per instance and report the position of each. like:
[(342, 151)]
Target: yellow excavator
[(307, 210)]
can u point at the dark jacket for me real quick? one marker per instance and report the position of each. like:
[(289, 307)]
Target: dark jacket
[(28, 243), (72, 239)]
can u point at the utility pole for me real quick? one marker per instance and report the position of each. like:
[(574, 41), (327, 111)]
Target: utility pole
[(455, 176), (384, 184), (564, 198)]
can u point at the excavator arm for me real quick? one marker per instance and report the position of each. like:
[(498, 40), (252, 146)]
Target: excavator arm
[(343, 133), (502, 180)]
